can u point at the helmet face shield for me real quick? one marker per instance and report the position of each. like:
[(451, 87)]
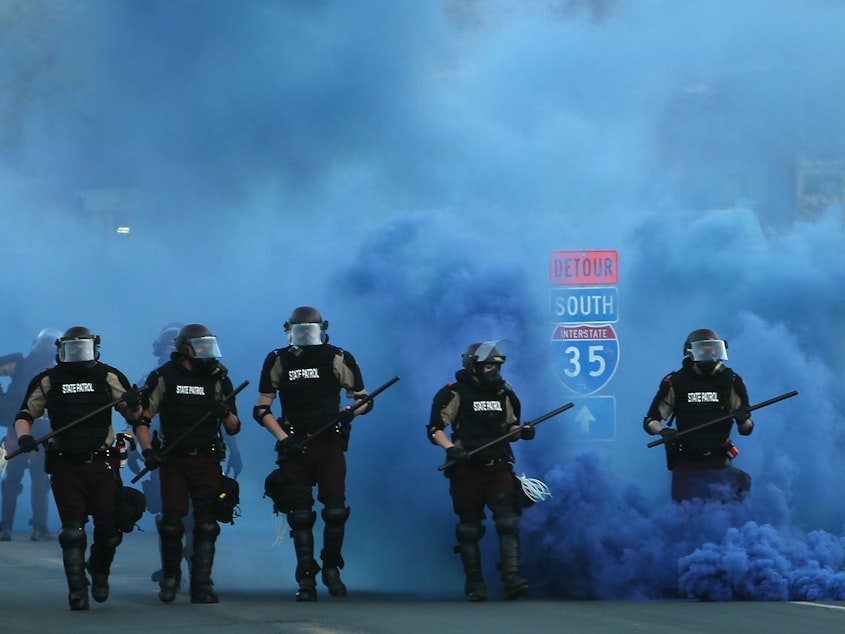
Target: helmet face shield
[(75, 350), (205, 347), (306, 334), (709, 350)]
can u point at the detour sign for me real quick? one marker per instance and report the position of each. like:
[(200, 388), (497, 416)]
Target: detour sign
[(584, 268)]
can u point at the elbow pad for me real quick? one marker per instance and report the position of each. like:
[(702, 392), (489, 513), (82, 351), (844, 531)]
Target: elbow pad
[(430, 431), (259, 412)]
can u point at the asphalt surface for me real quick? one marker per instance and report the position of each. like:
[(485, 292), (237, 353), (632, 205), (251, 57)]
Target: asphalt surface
[(33, 598)]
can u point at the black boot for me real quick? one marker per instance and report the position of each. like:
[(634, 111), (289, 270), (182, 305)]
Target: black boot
[(99, 564), (73, 541), (514, 584), (306, 566), (202, 587), (335, 519), (170, 530), (468, 535)]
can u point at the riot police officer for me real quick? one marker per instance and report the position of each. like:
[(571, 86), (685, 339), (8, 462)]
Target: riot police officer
[(182, 391), (480, 406), (85, 480), (308, 375), (41, 357), (703, 389)]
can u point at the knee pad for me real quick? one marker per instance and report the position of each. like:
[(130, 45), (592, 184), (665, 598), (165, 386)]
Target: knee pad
[(301, 520), (469, 533), (108, 538), (72, 535), (507, 524), (206, 531), (11, 488), (335, 515), (170, 525)]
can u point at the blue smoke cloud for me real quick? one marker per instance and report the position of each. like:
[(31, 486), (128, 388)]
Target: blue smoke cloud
[(407, 168)]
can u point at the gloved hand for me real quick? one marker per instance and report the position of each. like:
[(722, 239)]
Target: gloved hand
[(742, 414), (288, 448), (132, 398), (152, 460), (235, 464), (27, 443), (668, 434), (527, 432), (221, 410), (456, 454), (346, 415)]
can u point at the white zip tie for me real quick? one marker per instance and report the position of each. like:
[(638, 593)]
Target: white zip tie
[(536, 490), (279, 521), (3, 462)]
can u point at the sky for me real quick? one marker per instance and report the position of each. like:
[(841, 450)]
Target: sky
[(408, 168)]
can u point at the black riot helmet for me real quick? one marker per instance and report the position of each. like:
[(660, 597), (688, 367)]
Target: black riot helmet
[(78, 345), (306, 327), (195, 341), (704, 348), (45, 340), (164, 344), (479, 354), (486, 352), (705, 345)]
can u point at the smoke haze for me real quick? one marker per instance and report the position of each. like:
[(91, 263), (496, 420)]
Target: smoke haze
[(407, 167)]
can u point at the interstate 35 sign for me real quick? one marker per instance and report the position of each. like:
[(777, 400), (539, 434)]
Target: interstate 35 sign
[(584, 357)]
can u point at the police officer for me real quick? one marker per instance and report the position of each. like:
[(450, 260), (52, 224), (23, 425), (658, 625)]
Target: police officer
[(704, 389), (41, 357), (84, 476), (183, 391), (480, 406), (308, 375)]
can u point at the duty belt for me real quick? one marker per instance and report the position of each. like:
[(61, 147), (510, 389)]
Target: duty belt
[(485, 462), (192, 450), (87, 456)]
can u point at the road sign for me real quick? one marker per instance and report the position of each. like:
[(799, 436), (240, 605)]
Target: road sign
[(588, 305), (595, 418), (584, 268), (584, 357)]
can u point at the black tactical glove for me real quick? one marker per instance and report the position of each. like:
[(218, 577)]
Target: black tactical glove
[(27, 443), (668, 434), (345, 417), (527, 432), (221, 410), (132, 398), (288, 448), (457, 455), (152, 460), (742, 414)]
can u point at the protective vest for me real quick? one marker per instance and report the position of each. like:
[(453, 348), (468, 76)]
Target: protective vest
[(309, 391), (481, 418), (188, 396), (75, 391), (699, 399)]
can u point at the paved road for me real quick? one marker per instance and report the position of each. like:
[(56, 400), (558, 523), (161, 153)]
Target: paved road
[(33, 599)]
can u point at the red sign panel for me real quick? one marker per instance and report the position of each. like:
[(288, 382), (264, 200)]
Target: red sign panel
[(584, 268)]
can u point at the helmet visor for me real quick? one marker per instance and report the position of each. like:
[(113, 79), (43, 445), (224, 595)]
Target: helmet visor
[(205, 347), (709, 350), (73, 350), (306, 334), (492, 351)]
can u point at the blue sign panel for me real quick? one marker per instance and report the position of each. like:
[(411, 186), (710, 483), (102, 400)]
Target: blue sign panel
[(584, 357), (585, 305), (595, 418)]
